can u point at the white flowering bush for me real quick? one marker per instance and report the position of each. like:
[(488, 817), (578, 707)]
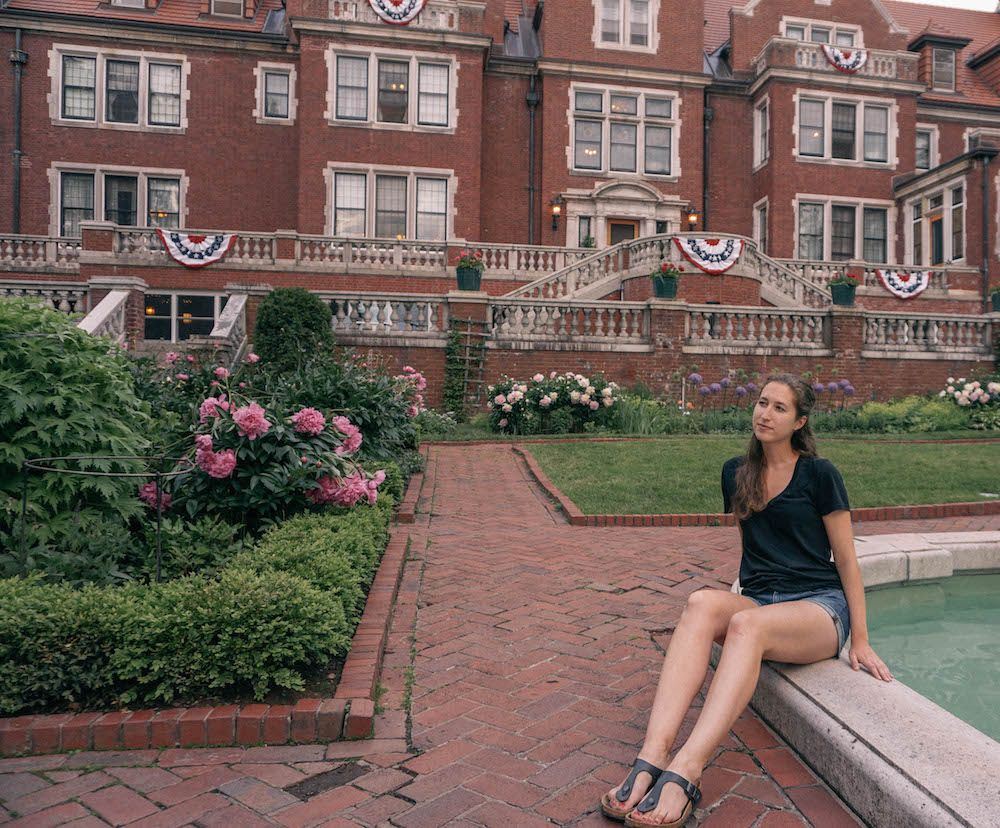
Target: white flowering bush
[(980, 397), (553, 403)]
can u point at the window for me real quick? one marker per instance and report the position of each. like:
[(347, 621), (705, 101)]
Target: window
[(810, 231), (625, 23), (349, 204), (761, 137), (845, 38), (875, 223), (231, 8), (583, 231), (760, 226), (943, 76), (957, 223), (848, 119), (275, 95), (819, 35), (377, 90), (177, 317), (817, 31), (842, 233), (389, 203), (918, 235), (136, 4), (795, 32), (923, 149), (120, 91), (638, 132), (124, 196), (390, 206)]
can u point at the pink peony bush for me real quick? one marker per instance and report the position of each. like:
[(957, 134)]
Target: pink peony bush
[(557, 402)]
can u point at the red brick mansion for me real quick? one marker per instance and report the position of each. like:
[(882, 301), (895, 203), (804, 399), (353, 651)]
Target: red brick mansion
[(356, 146)]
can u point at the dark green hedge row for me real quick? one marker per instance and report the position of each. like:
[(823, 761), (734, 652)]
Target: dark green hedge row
[(280, 609)]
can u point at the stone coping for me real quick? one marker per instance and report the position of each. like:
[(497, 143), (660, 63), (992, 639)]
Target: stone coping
[(578, 518), (348, 715), (893, 755)]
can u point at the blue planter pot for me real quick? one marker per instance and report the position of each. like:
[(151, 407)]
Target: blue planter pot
[(469, 278)]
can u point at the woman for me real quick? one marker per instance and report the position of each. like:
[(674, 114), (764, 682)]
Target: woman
[(795, 605)]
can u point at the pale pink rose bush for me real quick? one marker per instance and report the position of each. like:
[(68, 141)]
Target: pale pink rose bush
[(979, 397), (551, 402)]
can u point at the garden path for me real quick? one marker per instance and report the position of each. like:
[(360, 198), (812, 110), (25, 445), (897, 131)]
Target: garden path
[(532, 650)]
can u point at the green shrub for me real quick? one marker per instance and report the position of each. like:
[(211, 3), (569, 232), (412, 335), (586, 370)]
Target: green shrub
[(242, 630), (63, 392), (202, 547), (292, 324)]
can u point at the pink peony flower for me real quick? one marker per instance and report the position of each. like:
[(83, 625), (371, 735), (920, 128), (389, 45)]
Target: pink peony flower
[(213, 383), (219, 464), (170, 357), (594, 405), (309, 421), (252, 357), (251, 421), (203, 441), (210, 407), (503, 422), (221, 373), (352, 435), (190, 358), (183, 377), (243, 385), (346, 491), (499, 399), (147, 494)]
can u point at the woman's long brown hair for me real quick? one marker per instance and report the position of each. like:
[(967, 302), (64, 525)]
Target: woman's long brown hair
[(749, 495)]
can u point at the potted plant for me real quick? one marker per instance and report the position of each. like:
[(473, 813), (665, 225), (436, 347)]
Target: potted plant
[(842, 286), (665, 279), (588, 241), (995, 299), (469, 268)]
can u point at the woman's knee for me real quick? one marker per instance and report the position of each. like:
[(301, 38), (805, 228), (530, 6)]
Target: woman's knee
[(744, 625), (703, 606)]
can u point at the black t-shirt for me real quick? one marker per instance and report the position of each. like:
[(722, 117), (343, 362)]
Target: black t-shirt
[(785, 546)]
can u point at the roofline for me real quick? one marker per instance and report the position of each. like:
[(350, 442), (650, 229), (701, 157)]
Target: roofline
[(954, 41), (941, 170)]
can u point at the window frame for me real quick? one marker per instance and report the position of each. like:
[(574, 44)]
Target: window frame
[(919, 240), (862, 104), (414, 60), (370, 172), (100, 172), (101, 57), (761, 209), (761, 133), (261, 71), (935, 85), (625, 12), (641, 121), (214, 12), (219, 301), (859, 205), (834, 30)]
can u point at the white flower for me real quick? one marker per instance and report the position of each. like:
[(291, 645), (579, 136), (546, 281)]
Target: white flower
[(489, 389), (607, 402), (507, 408), (552, 375), (489, 404), (585, 398), (951, 390), (574, 396), (522, 388), (943, 393), (583, 382), (985, 398), (590, 390), (554, 395), (976, 384), (500, 399), (951, 380), (545, 402), (538, 377), (606, 392)]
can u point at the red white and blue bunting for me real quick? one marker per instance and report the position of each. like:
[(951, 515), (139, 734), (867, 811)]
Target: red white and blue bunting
[(714, 256), (847, 61), (196, 251), (904, 285), (397, 12)]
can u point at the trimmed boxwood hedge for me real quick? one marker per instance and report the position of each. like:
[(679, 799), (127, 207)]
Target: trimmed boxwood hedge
[(280, 609)]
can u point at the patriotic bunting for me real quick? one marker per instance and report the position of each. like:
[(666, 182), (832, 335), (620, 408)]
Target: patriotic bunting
[(196, 251), (847, 61), (397, 12), (714, 256), (904, 285)]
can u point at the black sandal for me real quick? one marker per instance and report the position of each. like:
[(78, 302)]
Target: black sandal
[(691, 789), (625, 791)]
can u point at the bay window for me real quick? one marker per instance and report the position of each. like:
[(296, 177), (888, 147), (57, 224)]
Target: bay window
[(125, 196)]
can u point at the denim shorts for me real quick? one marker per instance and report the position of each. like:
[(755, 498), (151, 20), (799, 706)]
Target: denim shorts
[(832, 600)]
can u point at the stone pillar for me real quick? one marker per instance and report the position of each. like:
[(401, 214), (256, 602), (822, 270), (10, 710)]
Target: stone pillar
[(847, 332), (135, 306), (284, 247), (667, 332), (98, 236)]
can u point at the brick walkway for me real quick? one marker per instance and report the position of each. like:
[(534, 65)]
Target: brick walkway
[(529, 649)]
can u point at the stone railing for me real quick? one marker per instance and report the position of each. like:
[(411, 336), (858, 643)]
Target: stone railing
[(522, 261), (390, 315), (108, 318), (762, 327), (818, 272), (591, 268), (908, 334), (532, 320), (39, 253), (786, 281), (435, 15), (142, 245), (229, 335), (68, 297), (350, 255), (783, 52)]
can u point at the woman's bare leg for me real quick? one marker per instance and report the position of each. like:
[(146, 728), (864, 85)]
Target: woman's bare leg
[(705, 618), (797, 632)]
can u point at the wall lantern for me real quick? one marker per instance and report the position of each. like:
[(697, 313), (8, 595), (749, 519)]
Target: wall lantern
[(557, 204), (692, 220)]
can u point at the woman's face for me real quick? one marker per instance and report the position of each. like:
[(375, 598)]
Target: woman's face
[(774, 417)]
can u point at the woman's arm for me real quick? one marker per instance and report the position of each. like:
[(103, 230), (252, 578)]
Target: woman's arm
[(841, 534)]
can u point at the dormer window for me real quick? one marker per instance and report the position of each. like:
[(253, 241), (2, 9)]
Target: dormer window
[(229, 8), (821, 31), (134, 4), (625, 24), (943, 77)]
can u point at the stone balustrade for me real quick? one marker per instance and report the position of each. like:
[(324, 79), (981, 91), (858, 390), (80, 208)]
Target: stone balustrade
[(387, 315), (522, 261), (435, 15), (763, 327), (108, 318), (625, 323), (68, 297), (142, 245), (820, 272), (910, 334), (783, 52), (39, 253), (349, 255)]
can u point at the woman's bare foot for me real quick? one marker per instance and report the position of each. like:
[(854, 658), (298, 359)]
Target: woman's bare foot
[(673, 800), (642, 784)]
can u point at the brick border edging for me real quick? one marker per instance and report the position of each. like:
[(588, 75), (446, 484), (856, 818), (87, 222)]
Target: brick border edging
[(348, 715), (406, 513), (867, 513), (541, 441)]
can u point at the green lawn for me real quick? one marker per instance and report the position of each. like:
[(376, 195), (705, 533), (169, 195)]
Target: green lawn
[(682, 474)]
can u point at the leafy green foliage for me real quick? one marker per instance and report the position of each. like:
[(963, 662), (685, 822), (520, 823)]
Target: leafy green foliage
[(292, 325), (63, 392), (454, 376)]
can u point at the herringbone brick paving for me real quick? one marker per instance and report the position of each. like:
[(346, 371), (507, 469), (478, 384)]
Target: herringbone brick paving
[(529, 649)]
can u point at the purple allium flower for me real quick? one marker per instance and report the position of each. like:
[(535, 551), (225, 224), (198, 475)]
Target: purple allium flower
[(715, 388), (818, 387), (844, 383), (740, 391), (696, 379), (725, 382), (848, 390), (832, 386), (703, 390), (752, 387)]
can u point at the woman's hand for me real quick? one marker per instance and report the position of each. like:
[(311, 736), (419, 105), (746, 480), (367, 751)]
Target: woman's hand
[(862, 655)]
